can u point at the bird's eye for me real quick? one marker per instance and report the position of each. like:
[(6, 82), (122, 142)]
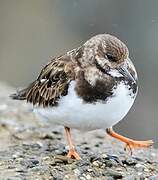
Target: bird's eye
[(111, 57)]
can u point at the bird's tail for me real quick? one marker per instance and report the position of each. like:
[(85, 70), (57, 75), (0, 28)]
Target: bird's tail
[(20, 95)]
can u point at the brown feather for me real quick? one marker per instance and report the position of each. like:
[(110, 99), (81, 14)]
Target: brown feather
[(51, 84)]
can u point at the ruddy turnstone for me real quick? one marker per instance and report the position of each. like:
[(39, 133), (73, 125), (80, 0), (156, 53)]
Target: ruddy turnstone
[(90, 87)]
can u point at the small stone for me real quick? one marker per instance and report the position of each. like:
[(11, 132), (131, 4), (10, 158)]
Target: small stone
[(16, 155), (97, 145), (90, 170), (104, 156), (36, 168), (82, 178), (139, 167), (109, 163), (77, 172), (103, 166), (133, 177), (45, 158), (47, 136), (114, 174), (35, 161), (11, 167), (38, 144), (146, 170), (99, 136), (155, 177), (97, 163), (129, 162), (20, 170), (88, 177), (66, 177), (63, 159), (140, 173), (110, 178), (58, 151), (86, 148), (56, 132), (118, 169)]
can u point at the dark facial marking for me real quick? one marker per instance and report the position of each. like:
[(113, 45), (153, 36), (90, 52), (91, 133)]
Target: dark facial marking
[(99, 67)]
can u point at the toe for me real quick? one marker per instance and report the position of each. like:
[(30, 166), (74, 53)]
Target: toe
[(73, 154)]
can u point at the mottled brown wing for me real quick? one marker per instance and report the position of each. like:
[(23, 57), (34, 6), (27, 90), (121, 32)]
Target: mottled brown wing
[(51, 84)]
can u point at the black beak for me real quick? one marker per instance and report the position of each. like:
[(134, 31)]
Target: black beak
[(125, 72)]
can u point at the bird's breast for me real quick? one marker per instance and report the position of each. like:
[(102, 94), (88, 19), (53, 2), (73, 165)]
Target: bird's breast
[(73, 112)]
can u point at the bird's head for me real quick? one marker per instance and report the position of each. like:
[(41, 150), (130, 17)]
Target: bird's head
[(110, 56)]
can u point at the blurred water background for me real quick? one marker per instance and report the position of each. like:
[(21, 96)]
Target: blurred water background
[(31, 31)]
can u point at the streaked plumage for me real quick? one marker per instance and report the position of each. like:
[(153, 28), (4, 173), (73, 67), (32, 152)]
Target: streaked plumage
[(91, 87)]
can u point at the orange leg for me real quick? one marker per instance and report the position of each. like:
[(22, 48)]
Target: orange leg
[(130, 143), (72, 153)]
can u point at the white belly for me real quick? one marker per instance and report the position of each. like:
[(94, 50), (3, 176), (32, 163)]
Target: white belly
[(74, 113)]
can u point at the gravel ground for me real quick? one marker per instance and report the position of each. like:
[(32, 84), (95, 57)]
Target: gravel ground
[(31, 149)]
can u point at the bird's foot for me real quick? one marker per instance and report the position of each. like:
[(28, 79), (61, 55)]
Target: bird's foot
[(73, 154), (132, 144)]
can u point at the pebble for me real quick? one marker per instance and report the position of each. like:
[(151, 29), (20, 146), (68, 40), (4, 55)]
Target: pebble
[(46, 158), (133, 177), (88, 177), (64, 159), (16, 155), (118, 169), (110, 178), (66, 177), (20, 170), (146, 170), (34, 161), (11, 167), (104, 156), (114, 173), (130, 161), (89, 170), (155, 177), (82, 178), (139, 167), (46, 136), (97, 163), (77, 172), (108, 163), (140, 173)]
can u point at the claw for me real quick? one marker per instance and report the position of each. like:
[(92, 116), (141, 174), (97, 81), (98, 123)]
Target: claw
[(73, 154)]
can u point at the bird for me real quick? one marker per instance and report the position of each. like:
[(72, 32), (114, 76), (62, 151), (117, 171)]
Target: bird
[(90, 87)]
